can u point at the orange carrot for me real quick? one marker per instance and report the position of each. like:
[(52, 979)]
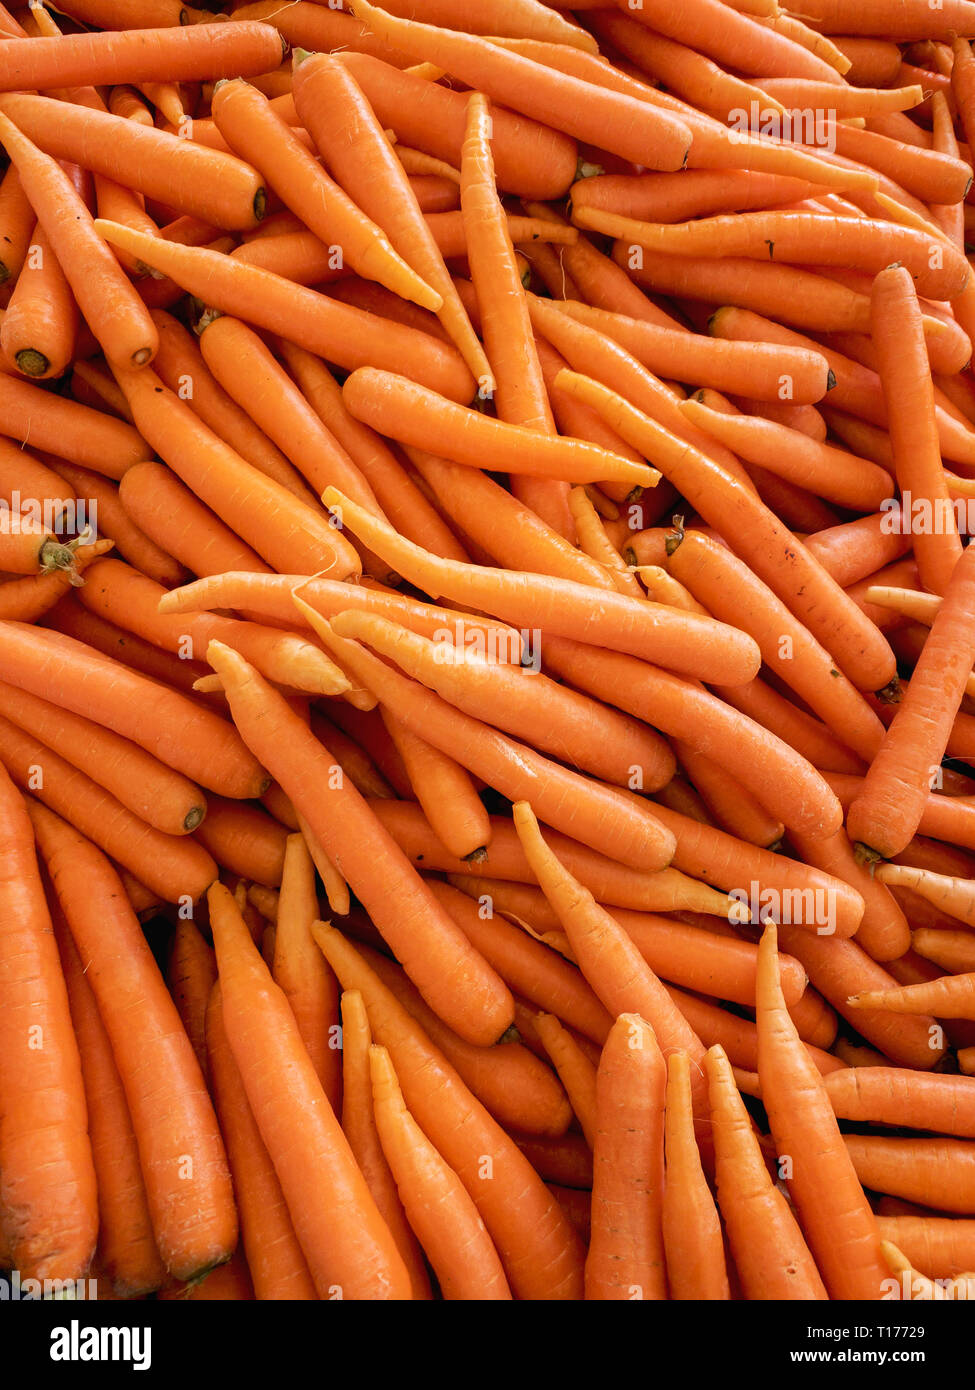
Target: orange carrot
[(691, 1230)]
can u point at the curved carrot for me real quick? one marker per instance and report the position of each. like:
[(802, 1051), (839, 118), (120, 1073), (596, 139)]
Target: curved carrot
[(180, 1149), (444, 790)]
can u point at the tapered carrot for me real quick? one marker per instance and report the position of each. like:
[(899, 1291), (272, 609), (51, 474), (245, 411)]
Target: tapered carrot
[(283, 529), (152, 791), (430, 947), (178, 732), (563, 608), (48, 1185), (184, 55), (527, 704), (609, 818), (771, 1257), (887, 811), (112, 309), (127, 1248), (909, 398), (693, 1246), (182, 1157), (275, 1259), (576, 1072), (346, 1243), (777, 558), (302, 973), (17, 221), (321, 325), (439, 1209), (540, 1251), (831, 1206), (626, 1249), (444, 790), (949, 996)]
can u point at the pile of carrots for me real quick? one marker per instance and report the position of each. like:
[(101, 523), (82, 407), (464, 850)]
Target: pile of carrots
[(487, 649)]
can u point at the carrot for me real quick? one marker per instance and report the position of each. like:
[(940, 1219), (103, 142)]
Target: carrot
[(626, 1249), (909, 399), (282, 528), (216, 187), (438, 1207), (183, 1162), (575, 1071), (106, 299), (151, 790), (855, 549), (887, 811), (538, 1248), (918, 1100), (771, 1257), (38, 330), (952, 950), (691, 193), (175, 730), (950, 996), (173, 519), (763, 543), (127, 1249), (519, 19), (321, 325), (693, 1246), (621, 621), (173, 55), (17, 221), (299, 1127), (940, 1246), (66, 428), (939, 1173), (577, 108), (101, 498), (25, 481), (430, 947), (72, 619), (48, 1187), (301, 972), (607, 817), (444, 790), (121, 594), (833, 1211), (277, 1265), (191, 972), (608, 958), (527, 704)]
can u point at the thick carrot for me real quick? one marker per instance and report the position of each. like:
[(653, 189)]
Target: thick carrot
[(938, 1173), (540, 1251), (941, 1246), (346, 1242), (204, 183), (40, 322), (691, 1229), (48, 1184), (72, 619), (771, 1257), (322, 325), (915, 1100), (127, 1248), (565, 608), (626, 1250), (68, 429), (183, 1161), (433, 951), (146, 55)]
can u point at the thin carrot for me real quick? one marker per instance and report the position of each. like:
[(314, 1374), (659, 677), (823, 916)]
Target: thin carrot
[(693, 1245), (771, 1257), (191, 972), (539, 1249), (16, 224), (576, 1072), (949, 996)]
